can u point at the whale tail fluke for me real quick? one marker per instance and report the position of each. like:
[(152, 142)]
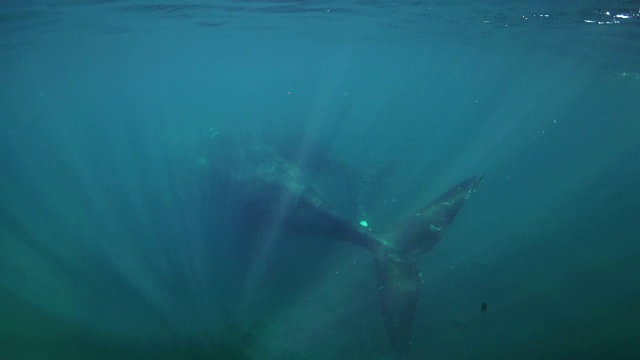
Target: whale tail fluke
[(396, 259), (395, 253)]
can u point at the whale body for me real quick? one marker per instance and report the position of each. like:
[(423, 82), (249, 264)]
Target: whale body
[(276, 190)]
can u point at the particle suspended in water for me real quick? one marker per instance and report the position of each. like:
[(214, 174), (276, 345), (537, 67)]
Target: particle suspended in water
[(483, 307)]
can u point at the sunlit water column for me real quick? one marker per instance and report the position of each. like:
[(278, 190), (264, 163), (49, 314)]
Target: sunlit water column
[(102, 221)]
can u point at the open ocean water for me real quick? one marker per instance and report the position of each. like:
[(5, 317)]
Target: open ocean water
[(115, 242)]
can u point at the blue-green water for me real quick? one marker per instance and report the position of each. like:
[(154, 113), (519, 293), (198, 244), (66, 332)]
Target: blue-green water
[(114, 244)]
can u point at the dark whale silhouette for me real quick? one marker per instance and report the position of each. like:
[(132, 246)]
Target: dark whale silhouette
[(276, 190)]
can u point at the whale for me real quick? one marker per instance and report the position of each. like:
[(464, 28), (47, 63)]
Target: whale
[(280, 192)]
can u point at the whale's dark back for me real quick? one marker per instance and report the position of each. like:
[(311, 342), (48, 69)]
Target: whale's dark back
[(277, 194)]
